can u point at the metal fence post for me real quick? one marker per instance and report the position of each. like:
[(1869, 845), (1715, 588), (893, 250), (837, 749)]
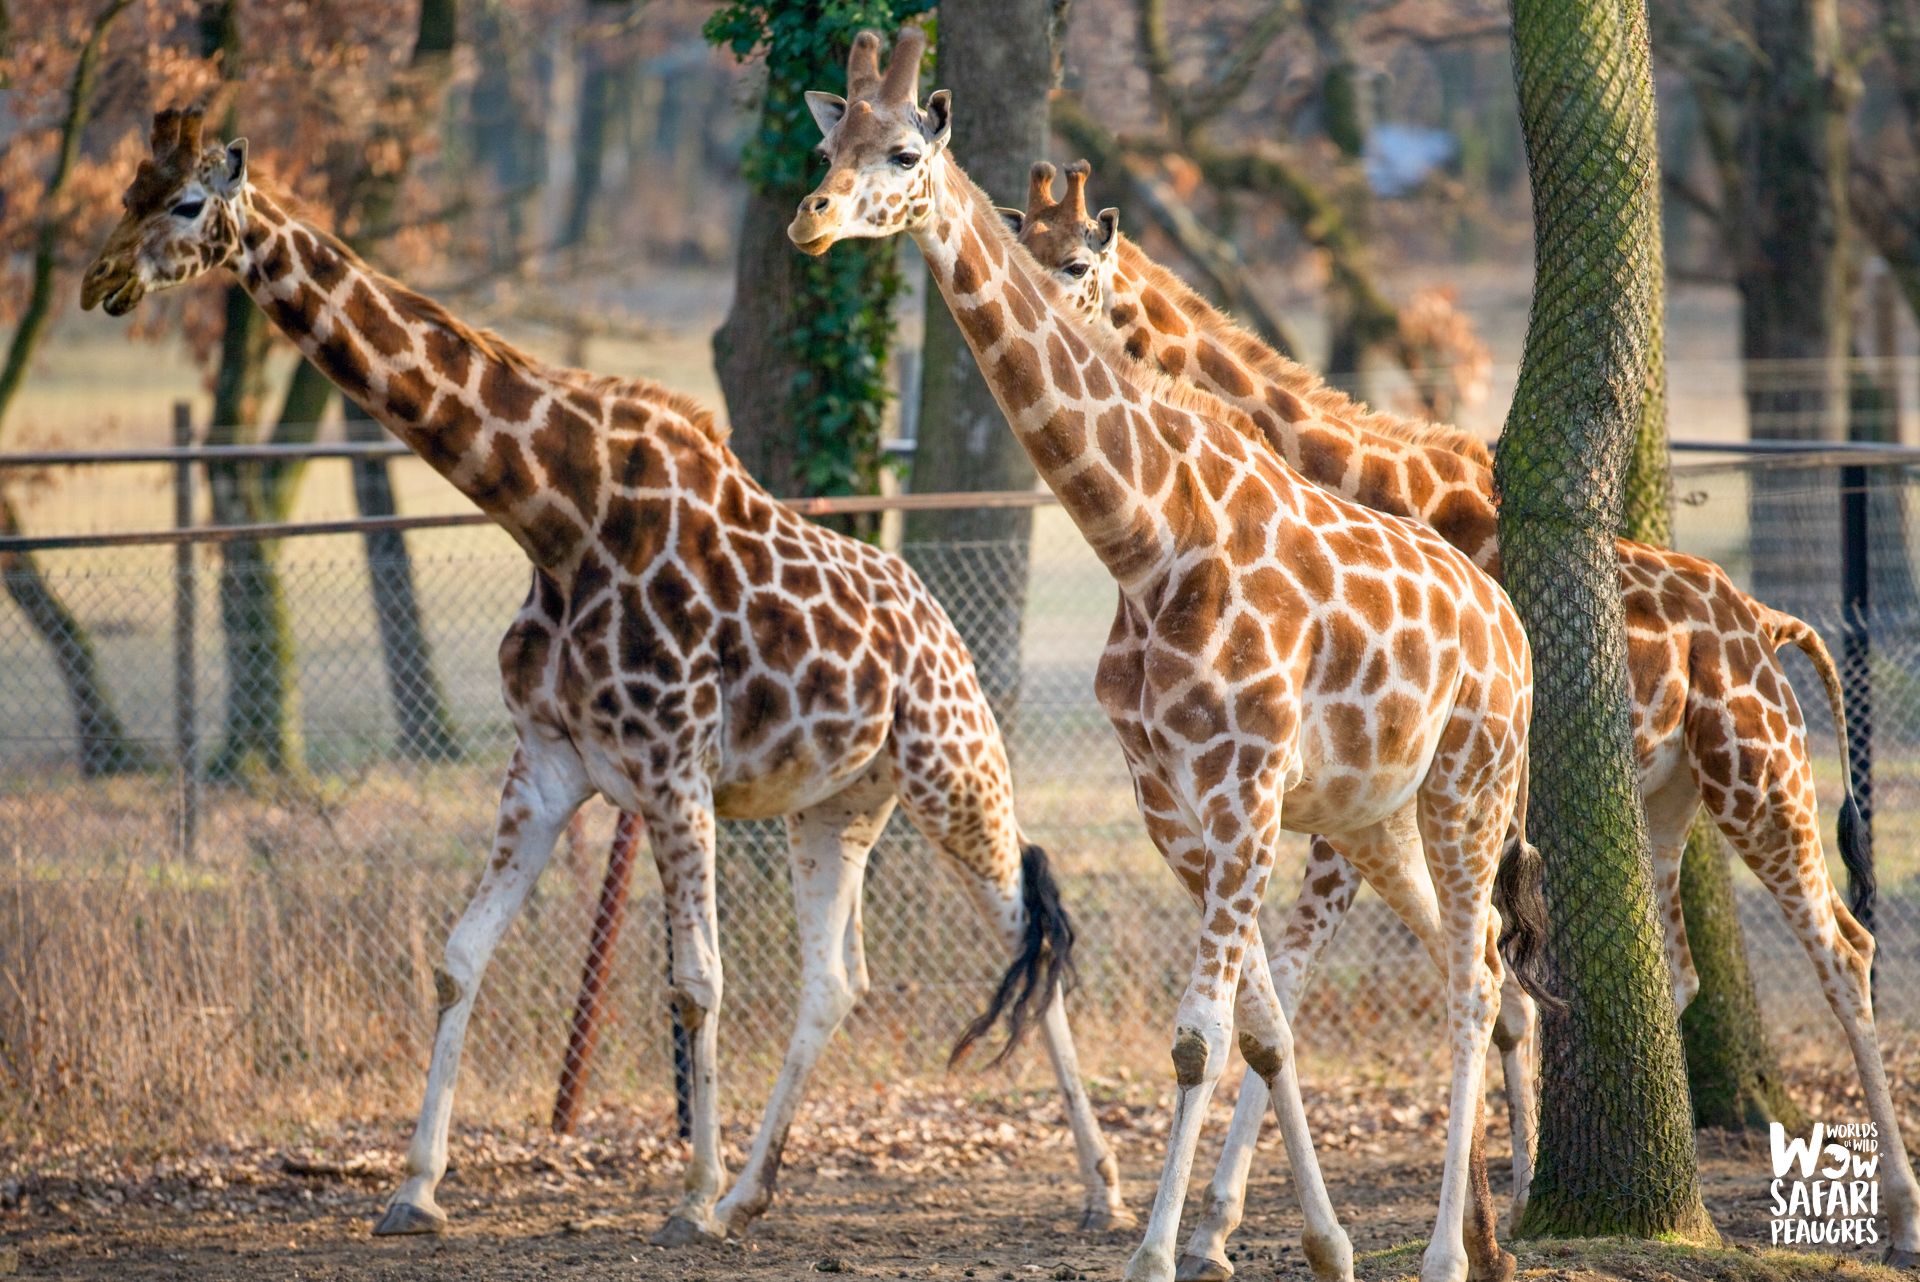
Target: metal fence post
[(587, 1007), (1856, 662), (186, 730)]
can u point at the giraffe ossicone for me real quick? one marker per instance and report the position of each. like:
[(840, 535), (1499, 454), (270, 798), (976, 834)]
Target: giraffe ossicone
[(1715, 721), (690, 649), (1280, 658)]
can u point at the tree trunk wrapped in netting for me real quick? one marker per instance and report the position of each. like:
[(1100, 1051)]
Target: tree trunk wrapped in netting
[(1616, 1136)]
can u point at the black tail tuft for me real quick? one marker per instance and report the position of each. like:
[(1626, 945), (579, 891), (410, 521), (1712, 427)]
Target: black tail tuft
[(1857, 855), (1044, 962), (1518, 894)]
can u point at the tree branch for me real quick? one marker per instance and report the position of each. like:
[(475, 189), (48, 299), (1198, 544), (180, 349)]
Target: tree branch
[(39, 308), (1150, 23), (1691, 196), (1231, 80), (1261, 172), (1892, 225)]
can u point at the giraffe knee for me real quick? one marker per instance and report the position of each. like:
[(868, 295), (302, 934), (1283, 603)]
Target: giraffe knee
[(1515, 1023), (1686, 986), (1266, 1056), (1191, 1059), (446, 990), (694, 998)]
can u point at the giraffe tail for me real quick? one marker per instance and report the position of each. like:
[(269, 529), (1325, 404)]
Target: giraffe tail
[(1042, 967), (1519, 894), (1855, 852)]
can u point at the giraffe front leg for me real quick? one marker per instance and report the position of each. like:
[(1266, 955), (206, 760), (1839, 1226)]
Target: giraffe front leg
[(1240, 819), (1326, 892), (544, 786), (680, 827)]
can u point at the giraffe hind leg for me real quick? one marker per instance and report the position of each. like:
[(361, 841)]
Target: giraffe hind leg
[(1009, 883), (828, 846), (1776, 834)]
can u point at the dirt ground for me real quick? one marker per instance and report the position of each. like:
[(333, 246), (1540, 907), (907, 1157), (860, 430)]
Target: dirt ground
[(899, 1184)]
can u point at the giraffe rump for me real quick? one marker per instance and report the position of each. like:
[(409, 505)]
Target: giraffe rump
[(1043, 965)]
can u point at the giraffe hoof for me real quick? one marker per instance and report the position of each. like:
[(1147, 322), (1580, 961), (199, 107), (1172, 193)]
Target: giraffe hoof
[(1200, 1268), (1503, 1270), (402, 1218), (681, 1231), (1900, 1258), (1105, 1219)]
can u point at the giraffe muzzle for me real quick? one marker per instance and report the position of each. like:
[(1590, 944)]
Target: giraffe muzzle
[(815, 227), (113, 289)]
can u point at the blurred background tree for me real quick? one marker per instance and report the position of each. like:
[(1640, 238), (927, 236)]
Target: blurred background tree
[(608, 184)]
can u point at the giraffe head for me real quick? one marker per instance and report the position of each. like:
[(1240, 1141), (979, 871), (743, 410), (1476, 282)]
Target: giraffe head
[(1079, 252), (182, 216), (881, 147)]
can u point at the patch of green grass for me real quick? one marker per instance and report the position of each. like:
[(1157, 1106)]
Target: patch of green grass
[(1637, 1260)]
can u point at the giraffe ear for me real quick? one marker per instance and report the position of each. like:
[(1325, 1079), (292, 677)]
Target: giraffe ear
[(235, 174), (936, 119), (1109, 220), (1014, 219), (827, 109)]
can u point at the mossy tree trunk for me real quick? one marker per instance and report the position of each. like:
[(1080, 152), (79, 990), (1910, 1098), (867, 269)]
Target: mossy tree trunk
[(1616, 1149), (261, 729)]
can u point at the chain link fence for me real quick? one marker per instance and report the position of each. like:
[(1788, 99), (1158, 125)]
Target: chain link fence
[(183, 952)]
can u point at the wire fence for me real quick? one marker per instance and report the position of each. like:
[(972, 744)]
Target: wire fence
[(218, 943)]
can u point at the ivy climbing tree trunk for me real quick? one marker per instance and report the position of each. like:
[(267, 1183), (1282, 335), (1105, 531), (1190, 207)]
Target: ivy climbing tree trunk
[(998, 57), (802, 354), (104, 746), (1616, 1137)]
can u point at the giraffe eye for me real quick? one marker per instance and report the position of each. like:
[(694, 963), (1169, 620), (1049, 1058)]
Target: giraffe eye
[(188, 209), (907, 159), (1076, 270)]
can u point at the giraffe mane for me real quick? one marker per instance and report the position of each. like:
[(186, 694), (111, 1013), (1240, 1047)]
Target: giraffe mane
[(1326, 401), (1148, 379), (490, 345)]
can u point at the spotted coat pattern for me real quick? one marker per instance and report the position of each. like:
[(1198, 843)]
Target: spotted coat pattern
[(1715, 719), (1280, 658), (690, 649)]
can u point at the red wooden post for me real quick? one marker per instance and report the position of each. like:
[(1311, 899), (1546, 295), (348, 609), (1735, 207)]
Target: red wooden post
[(593, 976)]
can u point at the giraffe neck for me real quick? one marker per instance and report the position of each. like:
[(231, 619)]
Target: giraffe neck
[(1434, 475), (1102, 446), (520, 442)]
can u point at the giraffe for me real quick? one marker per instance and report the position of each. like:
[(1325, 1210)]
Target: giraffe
[(1080, 252), (690, 649), (1280, 657), (1714, 715)]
